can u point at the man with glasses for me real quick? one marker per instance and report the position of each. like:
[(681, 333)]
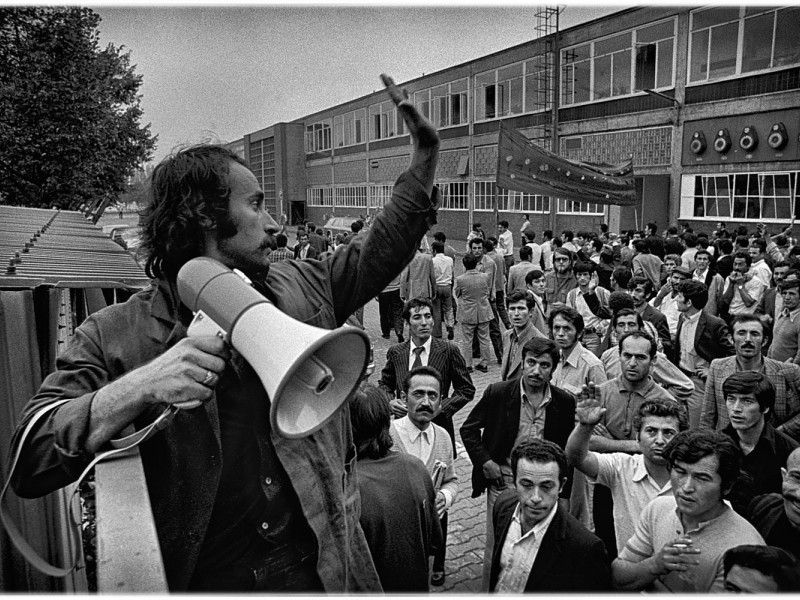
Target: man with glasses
[(561, 280)]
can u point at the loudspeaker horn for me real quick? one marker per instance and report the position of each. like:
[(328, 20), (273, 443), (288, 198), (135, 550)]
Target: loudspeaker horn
[(307, 372)]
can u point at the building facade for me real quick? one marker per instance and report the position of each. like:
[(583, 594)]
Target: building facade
[(706, 100)]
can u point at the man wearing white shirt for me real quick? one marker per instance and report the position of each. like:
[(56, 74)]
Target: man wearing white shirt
[(538, 546), (634, 479), (505, 244), (760, 268), (536, 249), (667, 299), (417, 435), (443, 300), (743, 289)]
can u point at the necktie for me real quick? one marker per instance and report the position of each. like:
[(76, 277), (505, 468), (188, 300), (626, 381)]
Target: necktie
[(785, 313), (417, 360)]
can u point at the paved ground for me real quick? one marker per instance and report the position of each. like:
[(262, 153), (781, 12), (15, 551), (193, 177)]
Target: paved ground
[(466, 529)]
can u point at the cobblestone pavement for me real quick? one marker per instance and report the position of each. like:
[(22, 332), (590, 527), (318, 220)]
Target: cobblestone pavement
[(466, 528)]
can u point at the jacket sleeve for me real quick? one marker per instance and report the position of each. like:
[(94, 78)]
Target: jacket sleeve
[(463, 388), (471, 430), (388, 380), (791, 427), (53, 455), (369, 262), (708, 411)]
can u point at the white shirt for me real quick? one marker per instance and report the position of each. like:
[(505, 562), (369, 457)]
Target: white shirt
[(423, 357), (669, 307), (536, 249), (519, 552), (631, 487), (419, 443), (761, 270), (505, 244), (443, 269)]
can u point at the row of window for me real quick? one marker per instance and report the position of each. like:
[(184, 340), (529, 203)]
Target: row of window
[(723, 42), (349, 196), (744, 196), (455, 196)]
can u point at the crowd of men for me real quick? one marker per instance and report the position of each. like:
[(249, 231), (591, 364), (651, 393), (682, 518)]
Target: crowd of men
[(640, 432), (644, 417)]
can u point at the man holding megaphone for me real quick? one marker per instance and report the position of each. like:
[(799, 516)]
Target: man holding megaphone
[(237, 505)]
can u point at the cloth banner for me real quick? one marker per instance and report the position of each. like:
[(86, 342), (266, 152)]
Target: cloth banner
[(523, 166)]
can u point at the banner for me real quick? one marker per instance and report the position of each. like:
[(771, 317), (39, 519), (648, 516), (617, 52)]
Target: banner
[(523, 166)]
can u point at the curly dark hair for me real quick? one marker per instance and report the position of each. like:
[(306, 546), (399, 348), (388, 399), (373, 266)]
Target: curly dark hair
[(186, 188)]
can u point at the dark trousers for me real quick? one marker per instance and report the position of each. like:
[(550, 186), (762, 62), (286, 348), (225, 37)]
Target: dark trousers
[(390, 308), (438, 558), (502, 313), (603, 515), (284, 569)]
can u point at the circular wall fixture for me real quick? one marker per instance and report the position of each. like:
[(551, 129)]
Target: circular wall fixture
[(748, 141), (723, 141), (778, 138), (698, 143)]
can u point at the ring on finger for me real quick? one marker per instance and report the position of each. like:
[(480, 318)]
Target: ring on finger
[(210, 378)]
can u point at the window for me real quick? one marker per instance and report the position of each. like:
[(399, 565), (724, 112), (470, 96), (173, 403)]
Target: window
[(498, 93), (445, 105), (319, 196), (351, 196), (318, 136), (575, 207), (639, 59), (745, 196), (348, 129), (484, 195), (508, 200), (736, 40), (385, 121), (537, 85), (379, 195), (455, 195)]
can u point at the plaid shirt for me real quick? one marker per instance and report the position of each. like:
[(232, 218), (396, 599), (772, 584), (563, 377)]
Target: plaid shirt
[(280, 254), (784, 376)]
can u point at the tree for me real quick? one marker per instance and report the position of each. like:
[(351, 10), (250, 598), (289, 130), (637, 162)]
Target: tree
[(70, 131)]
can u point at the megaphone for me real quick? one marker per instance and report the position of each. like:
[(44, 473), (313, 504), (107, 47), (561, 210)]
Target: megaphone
[(308, 372)]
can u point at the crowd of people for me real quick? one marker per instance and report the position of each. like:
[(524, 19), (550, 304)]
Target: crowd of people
[(640, 432), (646, 405)]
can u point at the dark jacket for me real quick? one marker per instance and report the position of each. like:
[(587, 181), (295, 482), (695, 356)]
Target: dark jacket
[(312, 253), (659, 321), (497, 414), (710, 338), (446, 358), (570, 558)]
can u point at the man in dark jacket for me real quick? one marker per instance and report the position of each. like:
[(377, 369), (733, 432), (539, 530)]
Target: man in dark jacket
[(508, 412), (569, 558)]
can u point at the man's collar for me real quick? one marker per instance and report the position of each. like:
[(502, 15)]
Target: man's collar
[(540, 528), (528, 327), (574, 355), (546, 395), (426, 344), (414, 432), (624, 386)]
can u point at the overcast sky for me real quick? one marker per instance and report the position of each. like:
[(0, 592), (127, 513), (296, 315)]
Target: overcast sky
[(218, 73)]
